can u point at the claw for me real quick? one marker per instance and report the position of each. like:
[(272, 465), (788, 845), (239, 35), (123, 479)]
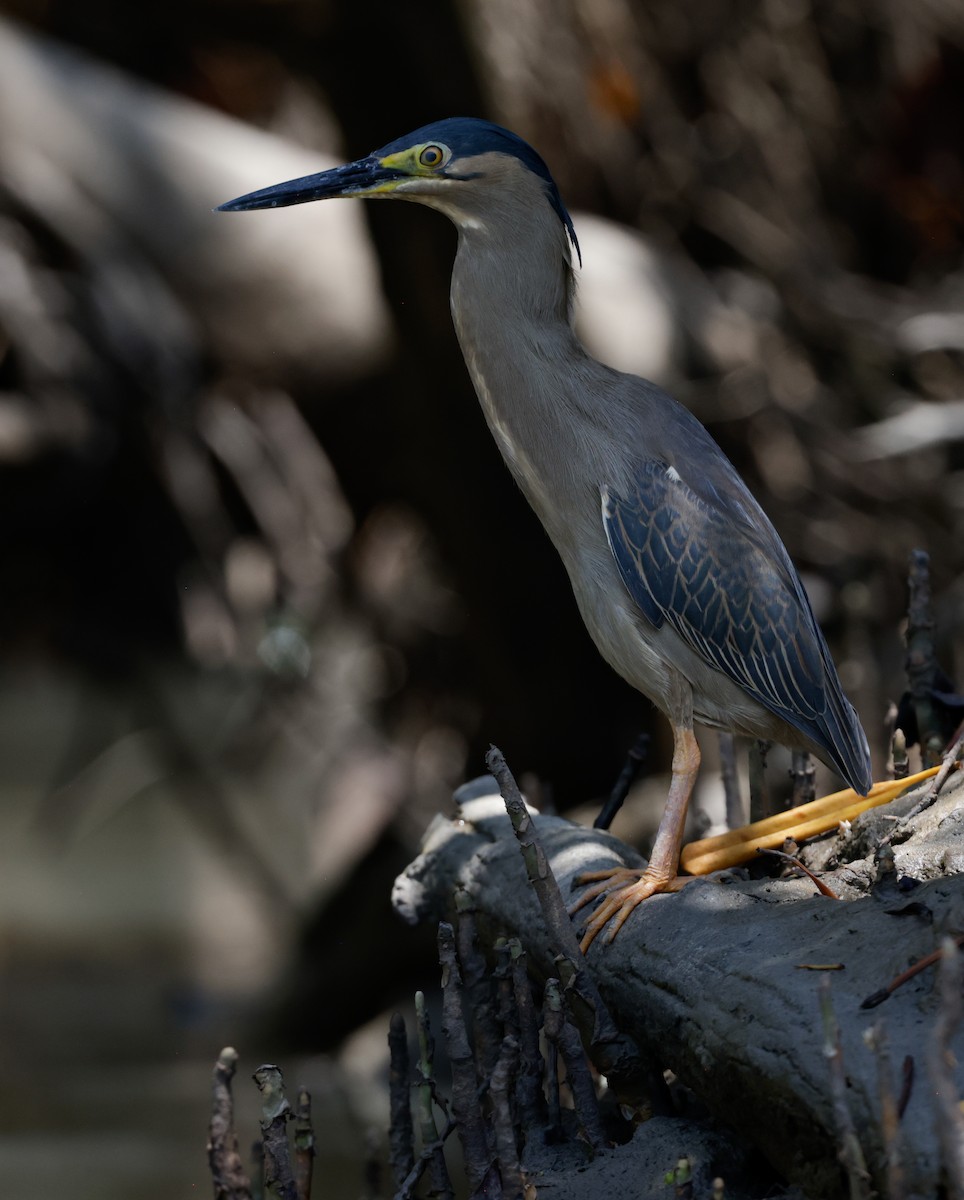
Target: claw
[(605, 881), (624, 888)]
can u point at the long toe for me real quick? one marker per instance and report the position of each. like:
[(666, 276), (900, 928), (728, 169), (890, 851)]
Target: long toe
[(621, 899), (605, 881)]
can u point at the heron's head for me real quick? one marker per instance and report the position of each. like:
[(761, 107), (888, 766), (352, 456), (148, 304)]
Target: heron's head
[(467, 168)]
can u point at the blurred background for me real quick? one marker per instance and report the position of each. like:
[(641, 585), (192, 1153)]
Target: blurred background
[(268, 592)]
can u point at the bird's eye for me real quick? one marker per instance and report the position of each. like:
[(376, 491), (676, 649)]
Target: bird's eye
[(431, 156)]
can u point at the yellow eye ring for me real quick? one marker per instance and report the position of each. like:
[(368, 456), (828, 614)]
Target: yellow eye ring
[(431, 156)]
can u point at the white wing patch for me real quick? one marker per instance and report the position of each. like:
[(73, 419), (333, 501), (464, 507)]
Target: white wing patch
[(673, 474), (607, 517)]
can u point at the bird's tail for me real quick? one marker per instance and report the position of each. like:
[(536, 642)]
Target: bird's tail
[(843, 735)]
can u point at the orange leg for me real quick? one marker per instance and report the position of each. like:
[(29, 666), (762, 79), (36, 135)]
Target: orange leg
[(625, 887)]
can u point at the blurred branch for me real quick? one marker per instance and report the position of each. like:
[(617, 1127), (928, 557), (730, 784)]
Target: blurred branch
[(227, 1171), (922, 425), (941, 1061), (921, 660)]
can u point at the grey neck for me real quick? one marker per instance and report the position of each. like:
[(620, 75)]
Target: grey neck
[(511, 300)]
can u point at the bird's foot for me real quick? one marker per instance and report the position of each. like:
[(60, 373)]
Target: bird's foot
[(624, 888)]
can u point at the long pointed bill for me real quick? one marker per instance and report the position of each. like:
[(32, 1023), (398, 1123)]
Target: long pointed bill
[(366, 177)]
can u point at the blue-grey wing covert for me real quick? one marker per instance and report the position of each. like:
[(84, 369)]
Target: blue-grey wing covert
[(734, 597)]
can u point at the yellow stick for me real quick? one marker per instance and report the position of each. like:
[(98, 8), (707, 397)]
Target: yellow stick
[(739, 845)]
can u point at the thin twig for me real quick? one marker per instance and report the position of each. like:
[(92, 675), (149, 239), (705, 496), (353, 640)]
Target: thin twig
[(431, 1153), (578, 1076), (804, 776), (627, 777), (372, 1166), (792, 861), (477, 986), (531, 1098), (616, 1055), (921, 663), (876, 1039), (940, 1069), (257, 1171), (907, 1071), (401, 1138), (554, 1130), (440, 1185), (899, 752), (761, 805), (227, 1171), (947, 765), (304, 1139), (503, 1123), (275, 1114), (922, 964), (850, 1153), (479, 1161), (505, 992), (735, 814)]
